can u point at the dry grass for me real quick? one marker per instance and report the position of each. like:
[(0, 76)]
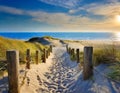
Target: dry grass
[(21, 46), (115, 74), (109, 55)]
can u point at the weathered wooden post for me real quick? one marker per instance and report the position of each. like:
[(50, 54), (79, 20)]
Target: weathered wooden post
[(13, 65), (73, 51), (51, 48), (46, 53), (37, 57), (67, 48), (44, 56), (28, 59), (49, 52), (78, 55), (87, 67)]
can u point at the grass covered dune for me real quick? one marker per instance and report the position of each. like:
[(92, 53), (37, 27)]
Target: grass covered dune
[(21, 46), (105, 52)]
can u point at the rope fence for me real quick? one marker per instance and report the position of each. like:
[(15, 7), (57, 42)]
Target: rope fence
[(106, 76), (87, 64), (11, 64)]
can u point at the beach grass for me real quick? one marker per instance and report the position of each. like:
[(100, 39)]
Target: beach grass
[(73, 57), (109, 54), (106, 54), (21, 46), (115, 74)]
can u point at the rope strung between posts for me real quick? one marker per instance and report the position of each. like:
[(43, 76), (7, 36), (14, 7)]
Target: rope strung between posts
[(23, 79), (69, 50), (102, 74), (2, 68), (5, 84)]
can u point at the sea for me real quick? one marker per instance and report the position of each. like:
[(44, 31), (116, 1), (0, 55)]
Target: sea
[(63, 35)]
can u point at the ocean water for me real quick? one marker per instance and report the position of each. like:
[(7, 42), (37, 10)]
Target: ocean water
[(63, 35)]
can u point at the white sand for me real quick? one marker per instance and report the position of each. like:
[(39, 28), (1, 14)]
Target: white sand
[(34, 76), (60, 75)]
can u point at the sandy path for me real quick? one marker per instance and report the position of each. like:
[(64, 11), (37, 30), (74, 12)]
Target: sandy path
[(61, 76), (65, 76)]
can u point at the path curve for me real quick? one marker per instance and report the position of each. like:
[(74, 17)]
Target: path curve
[(62, 73)]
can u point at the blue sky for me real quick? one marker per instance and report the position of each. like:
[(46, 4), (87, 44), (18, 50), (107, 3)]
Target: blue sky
[(59, 15)]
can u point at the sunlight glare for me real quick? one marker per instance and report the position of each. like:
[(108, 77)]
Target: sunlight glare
[(118, 18), (117, 36)]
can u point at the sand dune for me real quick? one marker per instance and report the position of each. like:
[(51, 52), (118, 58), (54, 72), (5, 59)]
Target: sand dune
[(61, 75)]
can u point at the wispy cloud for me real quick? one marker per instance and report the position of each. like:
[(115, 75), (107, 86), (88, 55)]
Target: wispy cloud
[(11, 10), (66, 21), (108, 9), (112, 1), (63, 3), (50, 18), (41, 16), (105, 10)]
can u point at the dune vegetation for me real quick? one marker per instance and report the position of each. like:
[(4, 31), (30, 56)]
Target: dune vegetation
[(109, 55), (21, 46)]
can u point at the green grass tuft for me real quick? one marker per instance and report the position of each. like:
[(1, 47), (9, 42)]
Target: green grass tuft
[(21, 46), (115, 74), (73, 57), (109, 55)]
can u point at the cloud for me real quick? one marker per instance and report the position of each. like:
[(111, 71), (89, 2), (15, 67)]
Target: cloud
[(105, 10), (63, 3), (11, 10), (73, 11), (108, 9), (66, 21), (112, 1), (50, 18)]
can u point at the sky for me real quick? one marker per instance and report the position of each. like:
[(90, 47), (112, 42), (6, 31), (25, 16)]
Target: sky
[(59, 15)]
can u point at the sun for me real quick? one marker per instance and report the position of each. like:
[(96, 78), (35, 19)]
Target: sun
[(117, 36), (118, 18)]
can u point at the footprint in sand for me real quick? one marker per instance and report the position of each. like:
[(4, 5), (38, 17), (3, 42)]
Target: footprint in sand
[(60, 77), (28, 81), (39, 80)]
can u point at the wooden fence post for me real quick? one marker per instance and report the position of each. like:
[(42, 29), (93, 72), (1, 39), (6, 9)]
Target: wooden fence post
[(44, 56), (46, 53), (73, 51), (13, 65), (49, 52), (78, 55), (37, 57), (51, 48), (87, 67), (67, 48), (28, 59)]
